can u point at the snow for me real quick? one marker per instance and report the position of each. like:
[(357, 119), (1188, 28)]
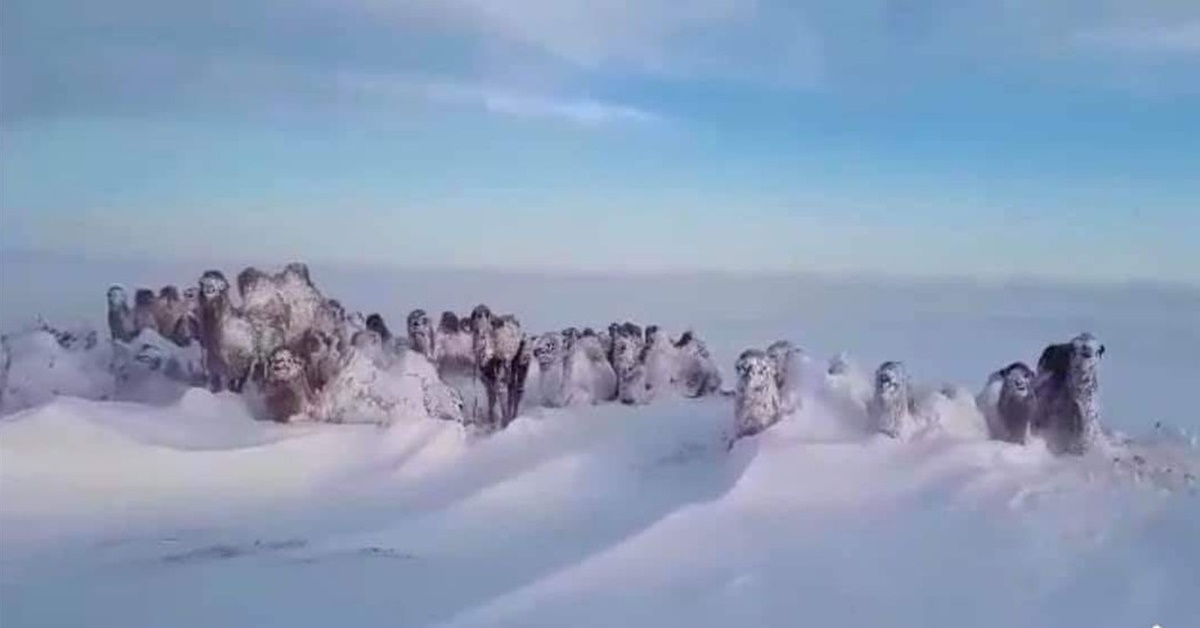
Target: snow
[(187, 512), (40, 368)]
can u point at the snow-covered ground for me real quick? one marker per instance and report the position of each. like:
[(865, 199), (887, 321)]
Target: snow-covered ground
[(189, 513)]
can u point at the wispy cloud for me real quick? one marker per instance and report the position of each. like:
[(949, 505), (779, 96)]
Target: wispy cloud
[(1183, 39), (493, 99), (558, 59), (647, 35), (581, 111)]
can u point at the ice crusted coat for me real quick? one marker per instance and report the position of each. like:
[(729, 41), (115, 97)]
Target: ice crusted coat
[(1008, 403), (757, 406), (892, 409), (281, 307), (1068, 413), (372, 388), (628, 365)]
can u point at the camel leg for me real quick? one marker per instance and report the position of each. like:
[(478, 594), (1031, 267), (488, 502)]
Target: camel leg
[(491, 383), (520, 372)]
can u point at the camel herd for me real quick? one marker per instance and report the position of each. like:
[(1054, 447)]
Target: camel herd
[(279, 333), (284, 336)]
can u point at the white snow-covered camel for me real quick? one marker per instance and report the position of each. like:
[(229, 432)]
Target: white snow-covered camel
[(503, 356), (757, 405), (1009, 402), (1067, 389)]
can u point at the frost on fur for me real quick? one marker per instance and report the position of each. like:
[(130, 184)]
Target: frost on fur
[(145, 305), (1067, 389), (331, 321), (285, 389), (284, 305), (551, 360), (1009, 403), (276, 311), (421, 337), (374, 322), (626, 358), (757, 405), (175, 317), (321, 353), (503, 367), (482, 341), (500, 357), (891, 409), (228, 339), (120, 315), (901, 410)]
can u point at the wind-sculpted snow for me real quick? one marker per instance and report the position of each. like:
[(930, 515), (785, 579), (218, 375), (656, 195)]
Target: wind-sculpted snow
[(603, 516)]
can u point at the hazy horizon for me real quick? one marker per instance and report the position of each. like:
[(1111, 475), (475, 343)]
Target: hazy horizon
[(233, 264)]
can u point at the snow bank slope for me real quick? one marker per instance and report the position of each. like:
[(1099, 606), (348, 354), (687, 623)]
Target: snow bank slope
[(193, 515)]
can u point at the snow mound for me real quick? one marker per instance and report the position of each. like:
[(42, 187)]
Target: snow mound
[(40, 366), (44, 363)]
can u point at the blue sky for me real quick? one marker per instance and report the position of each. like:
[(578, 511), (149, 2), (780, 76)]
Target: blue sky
[(1046, 138)]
